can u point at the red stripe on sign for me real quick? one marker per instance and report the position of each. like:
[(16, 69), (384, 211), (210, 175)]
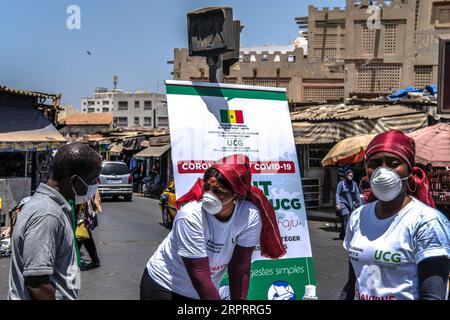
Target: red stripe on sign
[(262, 167), (194, 166), (272, 167), (239, 116)]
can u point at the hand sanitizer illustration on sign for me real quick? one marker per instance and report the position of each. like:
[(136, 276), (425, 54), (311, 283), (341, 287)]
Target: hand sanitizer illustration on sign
[(281, 290)]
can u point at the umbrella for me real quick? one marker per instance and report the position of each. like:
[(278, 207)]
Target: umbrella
[(433, 145), (350, 150)]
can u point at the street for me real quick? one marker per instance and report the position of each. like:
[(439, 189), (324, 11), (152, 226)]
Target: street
[(129, 232)]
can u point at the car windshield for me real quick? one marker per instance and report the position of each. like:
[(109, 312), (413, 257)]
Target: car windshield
[(115, 169)]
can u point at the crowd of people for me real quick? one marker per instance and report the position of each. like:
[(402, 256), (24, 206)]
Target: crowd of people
[(398, 244)]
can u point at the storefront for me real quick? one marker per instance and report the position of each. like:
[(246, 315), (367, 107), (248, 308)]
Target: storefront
[(28, 140)]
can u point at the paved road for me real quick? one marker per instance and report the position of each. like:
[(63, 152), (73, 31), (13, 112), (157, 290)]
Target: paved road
[(129, 233)]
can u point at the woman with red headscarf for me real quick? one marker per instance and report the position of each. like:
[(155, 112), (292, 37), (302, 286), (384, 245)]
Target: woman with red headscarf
[(219, 223), (398, 244)]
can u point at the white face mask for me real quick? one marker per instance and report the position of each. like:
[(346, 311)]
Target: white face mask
[(212, 204), (386, 184), (91, 191)]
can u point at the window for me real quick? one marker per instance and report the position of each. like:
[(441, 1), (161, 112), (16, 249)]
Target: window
[(317, 94), (147, 105), (378, 77), (136, 120), (291, 59), (105, 102), (105, 110), (316, 153), (90, 103), (91, 110), (123, 105), (444, 16), (147, 121), (423, 76), (163, 122), (265, 58), (390, 36), (137, 104), (84, 103), (98, 102), (121, 121), (98, 110), (441, 14)]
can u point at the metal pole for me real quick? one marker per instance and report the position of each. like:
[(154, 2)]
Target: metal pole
[(215, 69), (26, 163)]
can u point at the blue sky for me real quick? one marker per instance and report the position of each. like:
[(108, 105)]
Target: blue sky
[(130, 38)]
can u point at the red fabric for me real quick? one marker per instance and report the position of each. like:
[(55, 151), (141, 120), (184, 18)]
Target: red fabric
[(399, 144), (198, 271), (236, 169), (239, 272)]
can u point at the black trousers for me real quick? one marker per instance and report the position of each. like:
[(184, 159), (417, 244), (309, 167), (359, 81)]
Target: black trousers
[(90, 247), (151, 290)]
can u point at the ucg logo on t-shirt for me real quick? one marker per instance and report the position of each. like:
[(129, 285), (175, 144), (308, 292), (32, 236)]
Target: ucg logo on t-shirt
[(387, 256)]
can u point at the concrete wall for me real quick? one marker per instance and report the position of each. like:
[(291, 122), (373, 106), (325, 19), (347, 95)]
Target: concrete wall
[(264, 68)]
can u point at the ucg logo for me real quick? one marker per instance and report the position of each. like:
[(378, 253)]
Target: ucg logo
[(388, 256)]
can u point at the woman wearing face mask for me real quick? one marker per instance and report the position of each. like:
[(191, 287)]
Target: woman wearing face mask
[(398, 244), (347, 200), (219, 223)]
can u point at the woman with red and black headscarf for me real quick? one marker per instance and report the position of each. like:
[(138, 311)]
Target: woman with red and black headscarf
[(219, 223), (398, 244)]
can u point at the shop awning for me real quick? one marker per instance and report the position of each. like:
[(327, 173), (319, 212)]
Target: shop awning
[(306, 132), (152, 152), (27, 129), (115, 148)]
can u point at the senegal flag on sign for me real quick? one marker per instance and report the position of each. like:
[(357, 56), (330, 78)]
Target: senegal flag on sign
[(231, 116)]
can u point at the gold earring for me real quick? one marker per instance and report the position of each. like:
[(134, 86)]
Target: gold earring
[(415, 189)]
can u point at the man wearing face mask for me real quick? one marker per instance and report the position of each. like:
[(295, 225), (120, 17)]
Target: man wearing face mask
[(219, 223), (398, 244), (45, 260), (347, 200)]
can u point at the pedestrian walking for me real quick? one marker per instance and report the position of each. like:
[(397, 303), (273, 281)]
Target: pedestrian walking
[(87, 222), (347, 200), (219, 223), (398, 244), (44, 261)]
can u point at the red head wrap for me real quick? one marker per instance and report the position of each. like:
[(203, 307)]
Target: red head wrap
[(236, 169), (399, 144)]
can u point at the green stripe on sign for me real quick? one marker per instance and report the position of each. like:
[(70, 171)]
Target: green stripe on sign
[(224, 116), (267, 275), (226, 92)]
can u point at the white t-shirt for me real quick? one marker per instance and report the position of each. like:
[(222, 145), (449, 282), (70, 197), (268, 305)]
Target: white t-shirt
[(197, 234), (385, 253)]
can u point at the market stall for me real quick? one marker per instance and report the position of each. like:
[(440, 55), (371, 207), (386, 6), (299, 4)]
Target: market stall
[(433, 152)]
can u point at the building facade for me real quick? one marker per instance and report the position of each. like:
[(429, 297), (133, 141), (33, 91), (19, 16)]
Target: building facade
[(130, 109), (402, 52), (348, 52)]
